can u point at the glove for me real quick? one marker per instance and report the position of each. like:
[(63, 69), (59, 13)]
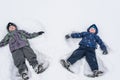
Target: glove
[(67, 36), (41, 32), (105, 52)]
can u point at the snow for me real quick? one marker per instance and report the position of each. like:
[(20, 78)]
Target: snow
[(57, 18)]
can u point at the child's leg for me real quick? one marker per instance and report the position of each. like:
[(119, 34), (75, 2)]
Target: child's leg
[(91, 59), (19, 60), (30, 55), (77, 54)]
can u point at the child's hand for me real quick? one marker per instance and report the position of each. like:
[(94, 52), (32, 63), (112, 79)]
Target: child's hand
[(41, 32), (105, 52), (67, 36)]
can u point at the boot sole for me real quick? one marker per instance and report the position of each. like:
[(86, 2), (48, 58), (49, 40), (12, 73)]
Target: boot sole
[(62, 62), (43, 70)]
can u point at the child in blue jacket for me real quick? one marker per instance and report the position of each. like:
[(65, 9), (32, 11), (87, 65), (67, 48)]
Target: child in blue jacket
[(88, 44)]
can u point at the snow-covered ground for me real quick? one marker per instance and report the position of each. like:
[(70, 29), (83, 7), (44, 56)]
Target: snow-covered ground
[(57, 18)]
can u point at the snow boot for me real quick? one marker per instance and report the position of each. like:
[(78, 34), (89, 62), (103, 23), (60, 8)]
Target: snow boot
[(25, 75), (66, 65), (96, 73), (39, 68)]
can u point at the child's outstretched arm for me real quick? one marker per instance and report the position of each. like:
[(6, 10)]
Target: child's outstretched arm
[(102, 45), (75, 35), (4, 41), (31, 35)]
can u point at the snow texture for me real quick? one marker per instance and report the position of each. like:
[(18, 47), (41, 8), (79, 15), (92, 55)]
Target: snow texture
[(58, 18)]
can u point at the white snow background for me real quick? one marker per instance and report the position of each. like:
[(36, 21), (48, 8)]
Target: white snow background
[(58, 18)]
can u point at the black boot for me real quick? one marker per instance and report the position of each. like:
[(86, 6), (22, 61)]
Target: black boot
[(97, 73), (39, 68), (25, 75), (66, 65), (91, 75)]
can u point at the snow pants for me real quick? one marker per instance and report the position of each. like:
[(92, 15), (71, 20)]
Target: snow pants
[(88, 53), (20, 55)]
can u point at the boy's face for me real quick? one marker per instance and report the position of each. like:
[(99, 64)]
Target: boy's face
[(92, 30), (12, 28)]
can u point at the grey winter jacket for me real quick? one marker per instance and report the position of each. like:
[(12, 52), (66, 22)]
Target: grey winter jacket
[(17, 39)]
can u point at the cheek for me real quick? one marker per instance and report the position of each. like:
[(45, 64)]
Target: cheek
[(92, 30), (10, 29), (13, 28)]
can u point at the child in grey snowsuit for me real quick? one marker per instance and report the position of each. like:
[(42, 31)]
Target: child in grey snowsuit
[(20, 49), (88, 44)]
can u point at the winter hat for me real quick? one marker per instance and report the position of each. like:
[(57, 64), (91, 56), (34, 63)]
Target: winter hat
[(93, 26), (11, 24)]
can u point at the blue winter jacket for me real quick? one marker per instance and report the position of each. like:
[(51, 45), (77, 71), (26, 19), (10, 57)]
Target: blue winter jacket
[(90, 39)]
